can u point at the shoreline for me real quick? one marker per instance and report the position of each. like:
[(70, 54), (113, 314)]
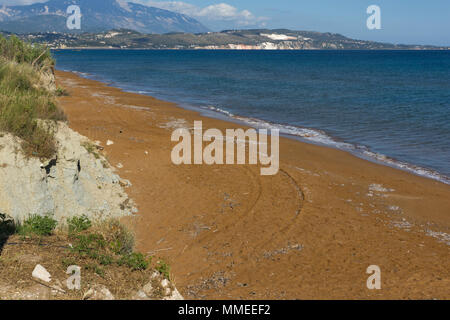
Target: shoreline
[(229, 233), (360, 151), (309, 135), (206, 49)]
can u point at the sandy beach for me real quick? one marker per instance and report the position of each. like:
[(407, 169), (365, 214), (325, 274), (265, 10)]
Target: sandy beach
[(309, 232)]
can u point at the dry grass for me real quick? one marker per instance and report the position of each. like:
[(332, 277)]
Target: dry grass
[(20, 256), (26, 97), (58, 251)]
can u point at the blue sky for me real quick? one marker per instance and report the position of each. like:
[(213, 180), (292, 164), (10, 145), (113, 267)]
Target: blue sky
[(402, 21)]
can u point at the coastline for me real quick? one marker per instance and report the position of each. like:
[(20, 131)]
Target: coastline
[(230, 233), (229, 49), (312, 135)]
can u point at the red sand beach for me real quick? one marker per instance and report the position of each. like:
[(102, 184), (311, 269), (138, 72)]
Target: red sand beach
[(309, 232)]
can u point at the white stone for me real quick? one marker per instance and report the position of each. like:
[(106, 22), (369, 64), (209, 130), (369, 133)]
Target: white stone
[(41, 273), (164, 283), (109, 143), (174, 296), (148, 289), (140, 295), (98, 293)]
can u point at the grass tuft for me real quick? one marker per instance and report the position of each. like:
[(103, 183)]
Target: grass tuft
[(78, 224), (91, 148), (163, 268), (61, 92), (36, 225), (135, 261)]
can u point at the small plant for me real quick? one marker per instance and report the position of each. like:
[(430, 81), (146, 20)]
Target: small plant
[(61, 92), (78, 224), (135, 261), (89, 245), (105, 260), (38, 225), (90, 148), (121, 240), (96, 269), (164, 269)]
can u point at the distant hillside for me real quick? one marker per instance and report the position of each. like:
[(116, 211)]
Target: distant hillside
[(258, 39), (97, 16)]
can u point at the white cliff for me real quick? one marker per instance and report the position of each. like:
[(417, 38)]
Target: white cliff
[(76, 181)]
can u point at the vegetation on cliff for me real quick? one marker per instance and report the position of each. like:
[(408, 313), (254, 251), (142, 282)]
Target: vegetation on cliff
[(27, 95), (38, 250), (102, 250)]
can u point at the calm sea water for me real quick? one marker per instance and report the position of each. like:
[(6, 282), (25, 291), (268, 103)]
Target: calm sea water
[(388, 106)]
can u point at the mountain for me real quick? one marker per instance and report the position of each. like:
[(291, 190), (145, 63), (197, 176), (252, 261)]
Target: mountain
[(97, 16), (257, 39)]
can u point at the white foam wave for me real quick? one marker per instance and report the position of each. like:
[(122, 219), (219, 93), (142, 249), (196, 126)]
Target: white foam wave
[(320, 137)]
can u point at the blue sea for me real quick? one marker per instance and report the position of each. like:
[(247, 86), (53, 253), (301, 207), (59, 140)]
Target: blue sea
[(386, 106)]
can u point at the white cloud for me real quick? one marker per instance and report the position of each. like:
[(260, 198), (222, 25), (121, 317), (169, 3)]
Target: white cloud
[(220, 13)]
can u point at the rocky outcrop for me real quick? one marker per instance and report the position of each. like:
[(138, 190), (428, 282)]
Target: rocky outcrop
[(78, 180)]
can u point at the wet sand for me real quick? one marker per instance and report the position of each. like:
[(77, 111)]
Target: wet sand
[(309, 232)]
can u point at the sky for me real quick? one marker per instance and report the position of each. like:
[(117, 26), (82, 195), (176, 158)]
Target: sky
[(402, 21)]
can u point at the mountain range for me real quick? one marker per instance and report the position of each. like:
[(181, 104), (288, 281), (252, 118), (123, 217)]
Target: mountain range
[(96, 16), (254, 39)]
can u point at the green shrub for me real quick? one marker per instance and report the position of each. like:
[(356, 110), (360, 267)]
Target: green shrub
[(38, 225), (16, 50), (164, 269), (135, 261), (78, 224), (107, 243), (105, 260), (89, 245)]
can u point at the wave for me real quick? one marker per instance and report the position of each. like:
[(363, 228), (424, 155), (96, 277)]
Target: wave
[(317, 136)]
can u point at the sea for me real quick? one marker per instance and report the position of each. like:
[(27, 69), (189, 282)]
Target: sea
[(390, 107)]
